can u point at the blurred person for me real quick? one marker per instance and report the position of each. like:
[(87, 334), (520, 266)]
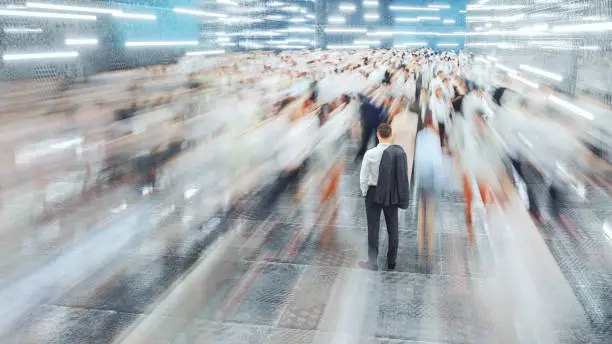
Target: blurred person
[(441, 112), (371, 117), (404, 125), (384, 184), (428, 164)]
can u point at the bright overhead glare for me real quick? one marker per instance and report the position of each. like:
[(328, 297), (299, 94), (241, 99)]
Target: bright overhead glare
[(275, 4), (439, 6), (53, 15), (494, 8), (411, 44), (371, 16), (298, 30), (227, 44), (275, 17), (505, 68), (354, 46), (131, 44), (205, 52), (134, 16), (345, 30), (347, 8), (366, 42), (71, 8), (370, 3), (406, 20), (448, 21), (336, 20), (524, 81), (380, 33), (227, 2), (569, 106), (81, 41), (297, 20), (56, 55), (594, 27), (412, 8), (543, 73), (428, 18), (199, 13), (21, 30)]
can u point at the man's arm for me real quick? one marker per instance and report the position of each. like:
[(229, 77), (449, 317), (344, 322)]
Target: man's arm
[(363, 174)]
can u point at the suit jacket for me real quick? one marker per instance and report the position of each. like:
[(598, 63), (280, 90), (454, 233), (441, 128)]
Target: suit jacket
[(392, 186)]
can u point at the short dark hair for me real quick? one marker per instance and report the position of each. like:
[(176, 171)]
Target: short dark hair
[(384, 131)]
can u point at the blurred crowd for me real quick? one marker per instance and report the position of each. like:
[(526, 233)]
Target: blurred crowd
[(222, 127)]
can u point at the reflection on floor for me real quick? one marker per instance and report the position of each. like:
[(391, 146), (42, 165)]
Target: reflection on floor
[(288, 274)]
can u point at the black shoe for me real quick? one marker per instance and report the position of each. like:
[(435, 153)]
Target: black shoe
[(368, 266), (391, 266)]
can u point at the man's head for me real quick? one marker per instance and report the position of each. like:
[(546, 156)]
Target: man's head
[(384, 133)]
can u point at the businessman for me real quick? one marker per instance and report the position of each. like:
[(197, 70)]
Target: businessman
[(384, 183)]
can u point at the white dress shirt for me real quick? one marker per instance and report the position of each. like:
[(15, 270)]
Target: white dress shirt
[(370, 167), (440, 110)]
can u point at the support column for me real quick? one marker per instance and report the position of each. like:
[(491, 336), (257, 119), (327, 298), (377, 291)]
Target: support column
[(320, 20)]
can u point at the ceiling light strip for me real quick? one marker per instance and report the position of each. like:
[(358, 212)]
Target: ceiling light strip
[(540, 72), (39, 56), (47, 15), (71, 8), (81, 41), (413, 8), (198, 13), (140, 44), (573, 108), (523, 80)]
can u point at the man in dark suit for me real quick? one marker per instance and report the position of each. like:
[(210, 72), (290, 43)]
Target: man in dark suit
[(384, 183)]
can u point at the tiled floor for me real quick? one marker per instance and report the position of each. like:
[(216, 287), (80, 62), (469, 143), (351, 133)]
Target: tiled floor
[(289, 276)]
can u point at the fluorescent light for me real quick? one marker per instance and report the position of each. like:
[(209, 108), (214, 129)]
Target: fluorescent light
[(524, 81), (594, 27), (309, 16), (412, 8), (462, 11), (494, 8), (291, 8), (11, 13), (226, 44), (333, 46), (240, 20), (298, 40), (205, 52), (81, 41), (370, 3), (255, 34), (505, 68), (299, 30), (482, 2), (198, 13), (543, 73), (57, 55), (131, 44), (573, 108), (439, 6), (371, 16), (227, 2), (134, 16), (252, 45), (223, 39), (71, 8), (366, 42), (289, 46), (347, 7), (21, 30), (275, 17), (380, 33), (448, 44), (275, 4), (406, 20), (344, 30), (336, 20), (428, 18), (297, 20), (412, 44), (448, 21)]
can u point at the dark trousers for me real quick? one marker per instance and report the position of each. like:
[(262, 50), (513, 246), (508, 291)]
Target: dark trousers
[(442, 130), (520, 170), (373, 211), (369, 129)]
